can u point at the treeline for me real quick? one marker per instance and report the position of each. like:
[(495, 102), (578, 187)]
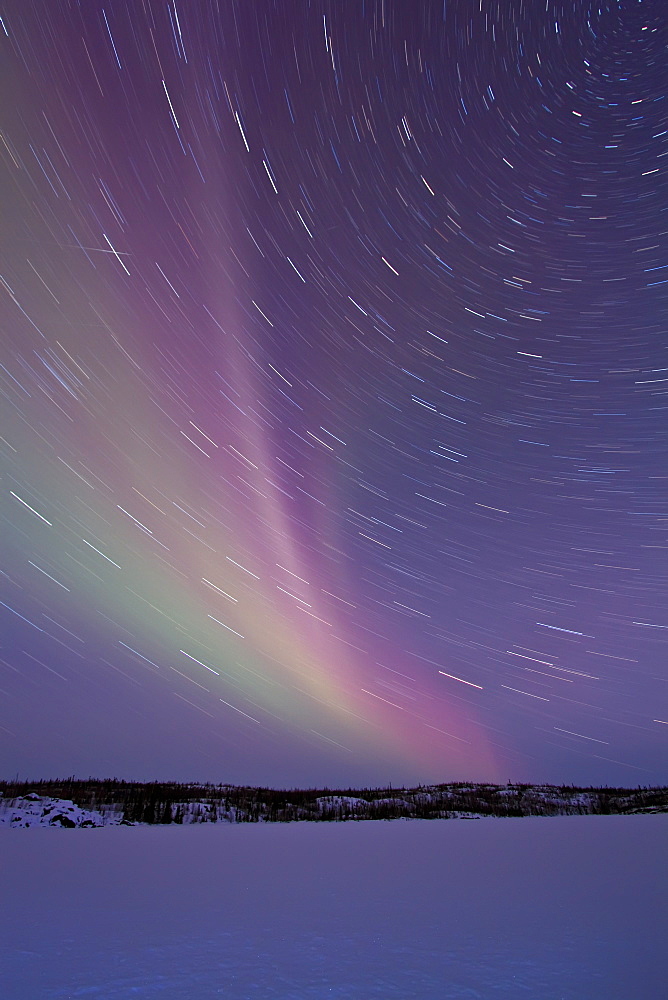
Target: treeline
[(167, 802)]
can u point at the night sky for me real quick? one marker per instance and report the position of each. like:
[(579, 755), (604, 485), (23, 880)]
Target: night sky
[(334, 370)]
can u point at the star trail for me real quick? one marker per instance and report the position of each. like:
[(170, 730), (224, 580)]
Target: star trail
[(334, 371)]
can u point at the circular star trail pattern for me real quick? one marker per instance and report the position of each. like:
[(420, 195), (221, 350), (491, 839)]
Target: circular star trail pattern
[(334, 372)]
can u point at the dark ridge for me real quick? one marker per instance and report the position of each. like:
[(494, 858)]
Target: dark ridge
[(169, 802)]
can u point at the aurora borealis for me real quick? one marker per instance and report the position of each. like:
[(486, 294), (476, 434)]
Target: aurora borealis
[(334, 372)]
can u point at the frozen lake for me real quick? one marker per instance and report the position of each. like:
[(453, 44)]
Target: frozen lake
[(571, 908)]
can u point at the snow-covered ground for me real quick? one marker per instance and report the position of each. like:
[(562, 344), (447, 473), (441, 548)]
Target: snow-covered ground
[(43, 810), (570, 908)]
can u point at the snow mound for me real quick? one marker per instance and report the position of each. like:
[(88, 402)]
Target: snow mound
[(39, 810)]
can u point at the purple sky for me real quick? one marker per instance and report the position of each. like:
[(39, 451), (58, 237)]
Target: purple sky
[(333, 391)]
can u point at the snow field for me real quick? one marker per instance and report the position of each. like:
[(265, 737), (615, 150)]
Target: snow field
[(570, 908)]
